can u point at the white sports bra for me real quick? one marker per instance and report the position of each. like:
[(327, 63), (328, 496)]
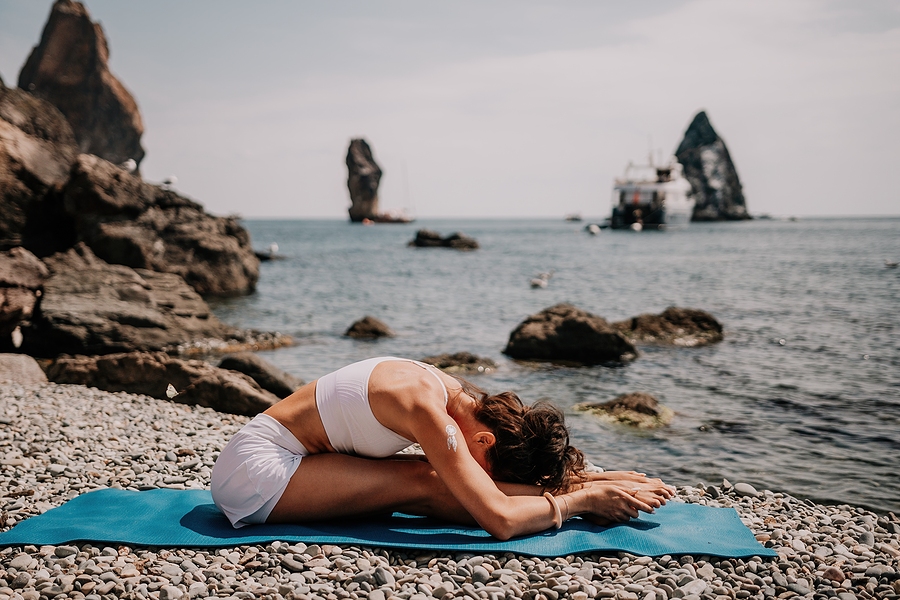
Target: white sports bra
[(342, 398)]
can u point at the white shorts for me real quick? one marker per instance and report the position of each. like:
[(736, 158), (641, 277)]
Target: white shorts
[(254, 469)]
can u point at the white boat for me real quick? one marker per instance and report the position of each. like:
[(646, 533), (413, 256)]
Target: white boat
[(652, 197)]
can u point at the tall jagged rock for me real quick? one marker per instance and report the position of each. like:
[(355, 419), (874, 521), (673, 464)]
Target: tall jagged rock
[(707, 165), (69, 68), (363, 178)]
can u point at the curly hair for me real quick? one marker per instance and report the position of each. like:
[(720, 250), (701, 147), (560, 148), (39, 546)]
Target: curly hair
[(532, 442)]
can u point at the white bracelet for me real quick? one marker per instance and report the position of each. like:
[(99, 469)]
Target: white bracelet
[(557, 514)]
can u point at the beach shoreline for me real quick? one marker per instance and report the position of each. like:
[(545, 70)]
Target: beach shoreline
[(59, 441)]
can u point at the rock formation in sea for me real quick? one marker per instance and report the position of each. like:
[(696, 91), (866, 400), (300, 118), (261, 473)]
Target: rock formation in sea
[(564, 333), (637, 409), (425, 238), (363, 178), (707, 165), (686, 327), (369, 328), (151, 373), (69, 68)]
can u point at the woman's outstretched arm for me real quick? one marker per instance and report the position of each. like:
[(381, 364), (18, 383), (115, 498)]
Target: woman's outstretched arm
[(502, 515)]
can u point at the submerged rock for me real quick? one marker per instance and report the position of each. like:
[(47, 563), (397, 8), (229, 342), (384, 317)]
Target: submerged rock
[(268, 376), (69, 68), (461, 362), (194, 381), (425, 238), (363, 178), (717, 190), (369, 328), (637, 409), (568, 334), (674, 326)]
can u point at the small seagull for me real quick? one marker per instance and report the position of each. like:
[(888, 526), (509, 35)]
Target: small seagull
[(890, 264), (169, 181), (129, 165), (17, 337), (171, 392), (541, 280), (273, 248), (593, 229)]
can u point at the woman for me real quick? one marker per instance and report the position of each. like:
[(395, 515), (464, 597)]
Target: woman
[(323, 451)]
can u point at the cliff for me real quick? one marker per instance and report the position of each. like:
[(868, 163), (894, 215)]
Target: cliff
[(69, 68)]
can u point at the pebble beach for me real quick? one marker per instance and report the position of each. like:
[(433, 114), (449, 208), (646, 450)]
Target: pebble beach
[(59, 441)]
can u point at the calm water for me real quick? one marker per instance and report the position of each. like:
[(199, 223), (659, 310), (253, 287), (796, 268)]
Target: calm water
[(817, 416)]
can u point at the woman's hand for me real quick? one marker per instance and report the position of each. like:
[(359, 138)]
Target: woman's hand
[(633, 480), (610, 503)]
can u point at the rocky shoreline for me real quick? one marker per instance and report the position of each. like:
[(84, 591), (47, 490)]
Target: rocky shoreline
[(59, 441)]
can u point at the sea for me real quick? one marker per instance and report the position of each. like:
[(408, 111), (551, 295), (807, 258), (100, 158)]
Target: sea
[(801, 396)]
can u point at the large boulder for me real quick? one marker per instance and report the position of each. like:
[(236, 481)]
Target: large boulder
[(37, 149), (193, 381), (129, 222), (425, 238), (268, 376), (113, 308), (564, 333), (363, 178), (707, 165), (369, 328), (674, 326), (21, 276), (22, 369), (69, 68)]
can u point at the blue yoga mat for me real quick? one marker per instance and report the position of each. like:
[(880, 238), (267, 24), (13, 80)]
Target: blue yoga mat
[(188, 518)]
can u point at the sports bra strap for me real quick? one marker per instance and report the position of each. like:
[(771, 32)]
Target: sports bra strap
[(436, 376)]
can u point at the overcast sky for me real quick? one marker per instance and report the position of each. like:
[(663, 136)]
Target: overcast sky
[(505, 108)]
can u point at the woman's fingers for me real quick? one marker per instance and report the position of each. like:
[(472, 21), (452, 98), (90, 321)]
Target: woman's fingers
[(636, 504)]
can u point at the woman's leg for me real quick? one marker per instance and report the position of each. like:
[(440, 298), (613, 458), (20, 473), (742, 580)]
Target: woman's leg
[(327, 486)]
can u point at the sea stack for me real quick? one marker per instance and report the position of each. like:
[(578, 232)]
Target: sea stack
[(69, 68), (363, 178), (707, 165)]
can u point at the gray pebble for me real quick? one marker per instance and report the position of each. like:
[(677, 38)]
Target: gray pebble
[(745, 489), (63, 551)]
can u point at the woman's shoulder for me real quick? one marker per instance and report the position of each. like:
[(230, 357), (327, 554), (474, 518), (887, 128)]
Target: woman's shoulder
[(408, 381)]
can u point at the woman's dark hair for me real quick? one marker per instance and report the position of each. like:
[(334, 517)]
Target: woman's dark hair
[(532, 442)]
